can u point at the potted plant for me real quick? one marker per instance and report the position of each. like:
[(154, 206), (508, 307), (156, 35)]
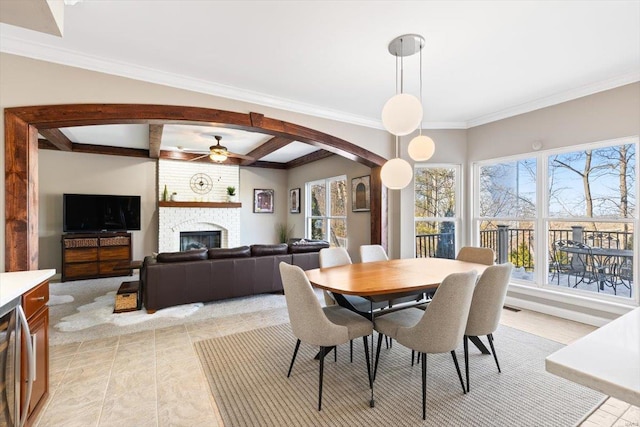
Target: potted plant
[(231, 193), (283, 232)]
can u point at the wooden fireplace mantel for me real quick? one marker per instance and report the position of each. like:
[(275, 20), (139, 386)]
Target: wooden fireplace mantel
[(218, 205)]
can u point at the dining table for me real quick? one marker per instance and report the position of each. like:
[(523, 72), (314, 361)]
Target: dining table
[(385, 280)]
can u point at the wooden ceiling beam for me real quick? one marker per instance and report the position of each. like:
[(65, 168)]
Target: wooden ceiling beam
[(309, 158), (57, 138), (45, 144), (155, 138), (274, 144)]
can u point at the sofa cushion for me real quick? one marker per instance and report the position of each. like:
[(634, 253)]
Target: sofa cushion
[(193, 255), (304, 246), (220, 253), (264, 250)]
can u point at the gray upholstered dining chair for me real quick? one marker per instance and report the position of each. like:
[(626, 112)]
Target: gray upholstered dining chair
[(334, 257), (325, 327), (476, 255), (372, 253), (438, 329), (486, 308)]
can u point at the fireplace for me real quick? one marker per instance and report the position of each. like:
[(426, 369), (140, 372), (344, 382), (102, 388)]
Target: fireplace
[(199, 240)]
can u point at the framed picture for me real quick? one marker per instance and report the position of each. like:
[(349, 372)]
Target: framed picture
[(361, 194), (262, 201), (294, 200)]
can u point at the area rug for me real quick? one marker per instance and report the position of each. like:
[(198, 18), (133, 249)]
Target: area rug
[(100, 311), (247, 376)]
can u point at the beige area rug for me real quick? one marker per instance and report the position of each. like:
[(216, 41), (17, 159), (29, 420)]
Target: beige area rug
[(247, 375)]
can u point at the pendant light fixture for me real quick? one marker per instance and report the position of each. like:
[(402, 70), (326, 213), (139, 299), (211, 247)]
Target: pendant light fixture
[(402, 114)]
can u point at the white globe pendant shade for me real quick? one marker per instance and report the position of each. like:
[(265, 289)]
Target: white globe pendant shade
[(396, 174), (402, 114), (421, 148)]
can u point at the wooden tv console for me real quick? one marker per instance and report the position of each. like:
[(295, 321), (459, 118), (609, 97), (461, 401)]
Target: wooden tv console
[(94, 255)]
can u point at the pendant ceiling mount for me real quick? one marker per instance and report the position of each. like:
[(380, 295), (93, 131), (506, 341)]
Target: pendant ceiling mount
[(406, 45)]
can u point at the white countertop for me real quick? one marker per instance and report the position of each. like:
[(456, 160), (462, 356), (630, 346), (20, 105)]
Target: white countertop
[(14, 284), (607, 360)]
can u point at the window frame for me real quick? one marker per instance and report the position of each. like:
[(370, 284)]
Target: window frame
[(543, 219), (327, 217), (457, 218)]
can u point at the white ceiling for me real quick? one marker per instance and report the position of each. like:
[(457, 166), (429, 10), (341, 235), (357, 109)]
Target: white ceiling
[(483, 60)]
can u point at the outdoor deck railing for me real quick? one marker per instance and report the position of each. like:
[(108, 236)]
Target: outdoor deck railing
[(516, 244)]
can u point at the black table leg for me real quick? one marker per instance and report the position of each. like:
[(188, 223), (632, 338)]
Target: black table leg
[(372, 402)]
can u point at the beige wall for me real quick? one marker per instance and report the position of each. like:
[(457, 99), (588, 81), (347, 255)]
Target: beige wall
[(261, 227), (25, 82), (606, 115), (60, 173), (358, 223)]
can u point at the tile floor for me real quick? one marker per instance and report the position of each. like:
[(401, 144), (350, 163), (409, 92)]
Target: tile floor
[(153, 378)]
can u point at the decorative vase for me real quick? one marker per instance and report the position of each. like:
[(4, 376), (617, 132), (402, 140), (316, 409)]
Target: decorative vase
[(165, 194), (174, 197)]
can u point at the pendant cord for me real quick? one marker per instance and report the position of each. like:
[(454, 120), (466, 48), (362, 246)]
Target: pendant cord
[(421, 103), (397, 151), (401, 67)]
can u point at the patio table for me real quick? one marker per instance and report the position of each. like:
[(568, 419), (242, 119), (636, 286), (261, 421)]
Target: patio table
[(606, 259)]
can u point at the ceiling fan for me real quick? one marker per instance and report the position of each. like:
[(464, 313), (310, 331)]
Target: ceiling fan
[(218, 153)]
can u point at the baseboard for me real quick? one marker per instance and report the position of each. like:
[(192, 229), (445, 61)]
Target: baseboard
[(570, 307)]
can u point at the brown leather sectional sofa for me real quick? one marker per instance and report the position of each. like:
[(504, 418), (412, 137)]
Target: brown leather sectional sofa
[(176, 278)]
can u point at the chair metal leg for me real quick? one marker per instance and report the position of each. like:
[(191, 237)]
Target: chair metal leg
[(322, 353), (375, 368), (335, 353), (466, 359), (366, 354), (350, 351), (386, 341), (455, 362), (424, 386), (493, 350), (413, 355), (293, 359)]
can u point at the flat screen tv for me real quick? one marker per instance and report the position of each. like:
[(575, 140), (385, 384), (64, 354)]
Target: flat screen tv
[(100, 212)]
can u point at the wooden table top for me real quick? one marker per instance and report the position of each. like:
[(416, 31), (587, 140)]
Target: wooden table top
[(388, 277)]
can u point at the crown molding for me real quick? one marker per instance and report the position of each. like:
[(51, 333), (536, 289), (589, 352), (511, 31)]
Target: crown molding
[(17, 46), (20, 47), (548, 101)]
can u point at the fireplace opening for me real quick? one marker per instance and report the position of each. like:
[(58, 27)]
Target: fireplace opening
[(199, 240)]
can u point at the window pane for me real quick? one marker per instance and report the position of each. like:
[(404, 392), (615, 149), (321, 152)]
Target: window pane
[(318, 200), (338, 232), (318, 228), (435, 192), (435, 239), (593, 183), (508, 189), (600, 262), (512, 241), (338, 198)]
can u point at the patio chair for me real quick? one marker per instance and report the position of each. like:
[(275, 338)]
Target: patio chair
[(571, 258)]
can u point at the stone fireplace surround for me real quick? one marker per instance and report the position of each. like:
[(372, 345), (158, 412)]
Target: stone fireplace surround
[(173, 220)]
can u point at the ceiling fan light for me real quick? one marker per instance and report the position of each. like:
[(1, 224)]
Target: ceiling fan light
[(218, 157), (396, 174), (402, 114), (421, 148)]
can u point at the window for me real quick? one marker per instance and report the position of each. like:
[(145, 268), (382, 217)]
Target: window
[(326, 210), (436, 210), (566, 219), (507, 213)]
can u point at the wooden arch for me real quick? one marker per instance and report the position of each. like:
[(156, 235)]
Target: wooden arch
[(22, 125)]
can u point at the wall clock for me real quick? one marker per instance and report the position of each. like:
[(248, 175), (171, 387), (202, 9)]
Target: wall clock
[(201, 183)]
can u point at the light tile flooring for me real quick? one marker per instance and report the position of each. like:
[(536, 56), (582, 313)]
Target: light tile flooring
[(153, 378)]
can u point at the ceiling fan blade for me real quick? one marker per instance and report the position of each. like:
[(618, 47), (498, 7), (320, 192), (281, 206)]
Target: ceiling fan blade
[(199, 157), (240, 156), (192, 150)]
